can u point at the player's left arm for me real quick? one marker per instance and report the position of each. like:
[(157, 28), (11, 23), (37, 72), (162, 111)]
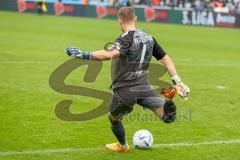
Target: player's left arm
[(100, 55), (168, 63), (182, 89)]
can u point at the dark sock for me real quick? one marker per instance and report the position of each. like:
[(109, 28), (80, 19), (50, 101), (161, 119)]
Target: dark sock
[(118, 130)]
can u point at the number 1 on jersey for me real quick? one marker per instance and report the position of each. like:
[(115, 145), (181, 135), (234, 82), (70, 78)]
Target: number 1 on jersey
[(142, 57)]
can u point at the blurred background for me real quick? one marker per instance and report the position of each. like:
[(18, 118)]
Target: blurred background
[(224, 13), (202, 37)]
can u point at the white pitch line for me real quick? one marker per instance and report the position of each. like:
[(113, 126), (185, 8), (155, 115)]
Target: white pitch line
[(198, 143), (93, 149), (47, 151)]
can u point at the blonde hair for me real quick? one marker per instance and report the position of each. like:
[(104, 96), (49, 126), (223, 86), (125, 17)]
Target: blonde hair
[(126, 14)]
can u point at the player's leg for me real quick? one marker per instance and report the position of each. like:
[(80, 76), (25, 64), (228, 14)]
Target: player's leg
[(164, 109), (167, 112), (154, 103), (158, 111), (118, 128), (117, 110)]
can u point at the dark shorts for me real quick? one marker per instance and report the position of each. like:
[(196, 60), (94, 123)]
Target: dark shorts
[(124, 98)]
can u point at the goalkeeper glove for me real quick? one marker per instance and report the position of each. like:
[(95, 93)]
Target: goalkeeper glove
[(182, 89), (76, 52), (169, 93)]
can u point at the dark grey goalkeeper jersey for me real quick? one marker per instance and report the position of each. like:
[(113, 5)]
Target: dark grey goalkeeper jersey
[(137, 48)]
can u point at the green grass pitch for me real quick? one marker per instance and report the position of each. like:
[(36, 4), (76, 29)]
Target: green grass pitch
[(31, 47)]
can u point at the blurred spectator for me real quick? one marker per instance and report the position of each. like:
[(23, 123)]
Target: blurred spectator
[(231, 7), (41, 7), (218, 3), (146, 2), (156, 2), (85, 2), (122, 2), (200, 5), (188, 5), (210, 5)]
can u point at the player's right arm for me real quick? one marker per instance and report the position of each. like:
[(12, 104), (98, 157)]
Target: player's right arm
[(100, 55), (121, 45), (182, 89), (105, 55)]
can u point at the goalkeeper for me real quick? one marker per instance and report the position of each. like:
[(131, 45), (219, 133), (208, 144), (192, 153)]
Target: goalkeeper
[(132, 52)]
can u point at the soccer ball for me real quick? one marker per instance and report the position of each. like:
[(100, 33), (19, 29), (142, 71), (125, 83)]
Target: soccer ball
[(142, 139)]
